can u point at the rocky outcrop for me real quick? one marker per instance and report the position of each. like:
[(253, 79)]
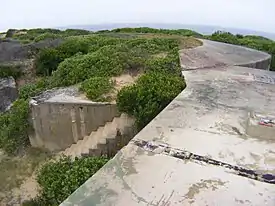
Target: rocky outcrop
[(13, 50), (8, 93)]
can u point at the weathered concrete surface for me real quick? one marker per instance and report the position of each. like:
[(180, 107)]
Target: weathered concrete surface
[(212, 118), (216, 54), (8, 93), (63, 116)]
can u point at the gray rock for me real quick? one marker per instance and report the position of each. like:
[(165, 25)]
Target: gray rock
[(8, 93), (12, 50)]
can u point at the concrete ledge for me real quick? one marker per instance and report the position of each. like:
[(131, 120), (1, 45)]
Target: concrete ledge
[(215, 54)]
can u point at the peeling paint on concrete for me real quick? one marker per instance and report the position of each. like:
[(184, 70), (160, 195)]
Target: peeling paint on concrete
[(204, 184)]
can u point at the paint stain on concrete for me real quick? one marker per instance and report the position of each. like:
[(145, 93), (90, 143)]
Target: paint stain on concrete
[(195, 189)]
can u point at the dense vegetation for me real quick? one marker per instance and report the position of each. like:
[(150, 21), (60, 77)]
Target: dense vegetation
[(58, 179), (149, 96), (251, 41), (35, 35), (10, 71), (14, 127), (96, 87), (183, 32)]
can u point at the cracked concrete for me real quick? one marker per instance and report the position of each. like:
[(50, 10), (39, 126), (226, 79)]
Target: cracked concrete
[(209, 118)]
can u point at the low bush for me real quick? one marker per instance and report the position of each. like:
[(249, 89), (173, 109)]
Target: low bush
[(47, 61), (169, 64), (105, 62), (110, 60), (14, 124), (150, 95), (45, 36), (75, 32), (10, 71), (14, 127), (183, 32), (96, 87), (30, 90), (61, 178)]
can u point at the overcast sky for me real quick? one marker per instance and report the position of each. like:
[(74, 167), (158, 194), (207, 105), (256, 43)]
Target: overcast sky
[(248, 14)]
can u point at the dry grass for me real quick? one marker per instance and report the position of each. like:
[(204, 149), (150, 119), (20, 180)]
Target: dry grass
[(189, 42), (15, 170), (121, 81)]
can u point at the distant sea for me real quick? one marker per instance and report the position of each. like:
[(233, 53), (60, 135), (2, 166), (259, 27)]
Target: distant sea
[(198, 28)]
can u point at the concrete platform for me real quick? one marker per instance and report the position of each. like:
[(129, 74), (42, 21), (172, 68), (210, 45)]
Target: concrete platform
[(215, 54), (62, 95), (212, 118)]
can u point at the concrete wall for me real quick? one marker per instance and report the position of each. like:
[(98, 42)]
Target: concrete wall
[(58, 125), (261, 64)]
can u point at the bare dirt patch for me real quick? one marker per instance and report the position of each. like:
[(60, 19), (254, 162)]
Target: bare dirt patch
[(17, 178), (29, 75), (126, 79)]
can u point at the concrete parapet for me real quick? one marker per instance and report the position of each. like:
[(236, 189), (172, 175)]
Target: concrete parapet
[(215, 54), (60, 122)]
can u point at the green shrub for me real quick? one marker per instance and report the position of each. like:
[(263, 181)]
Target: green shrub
[(10, 71), (75, 32), (153, 45), (44, 36), (38, 31), (10, 33), (25, 41), (61, 178), (150, 95), (33, 89), (169, 64), (183, 32), (96, 87), (105, 62), (14, 127), (110, 60), (47, 61), (73, 45)]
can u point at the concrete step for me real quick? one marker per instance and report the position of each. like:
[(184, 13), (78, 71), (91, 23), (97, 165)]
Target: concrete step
[(91, 140), (109, 132), (80, 145), (106, 140)]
